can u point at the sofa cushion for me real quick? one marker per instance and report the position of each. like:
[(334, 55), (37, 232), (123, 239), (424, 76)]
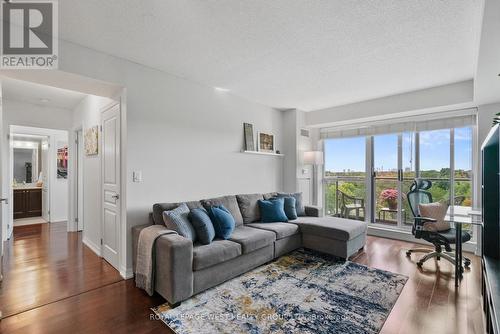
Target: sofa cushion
[(218, 251), (203, 226), (252, 239), (299, 203), (282, 230), (273, 210), (229, 202), (249, 207), (158, 209), (331, 227), (177, 220), (222, 221)]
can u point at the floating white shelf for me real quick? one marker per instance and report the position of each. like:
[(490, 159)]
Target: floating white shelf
[(262, 153)]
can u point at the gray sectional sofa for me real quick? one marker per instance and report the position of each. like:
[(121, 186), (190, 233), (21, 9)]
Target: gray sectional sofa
[(183, 269)]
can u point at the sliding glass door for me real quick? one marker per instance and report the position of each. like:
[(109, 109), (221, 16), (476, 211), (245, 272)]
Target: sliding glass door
[(368, 177), (393, 173), (386, 179)]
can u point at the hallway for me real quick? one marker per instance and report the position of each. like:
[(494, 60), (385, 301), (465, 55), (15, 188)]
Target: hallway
[(43, 263)]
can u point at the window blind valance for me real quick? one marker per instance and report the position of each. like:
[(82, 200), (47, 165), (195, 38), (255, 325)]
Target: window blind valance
[(426, 122)]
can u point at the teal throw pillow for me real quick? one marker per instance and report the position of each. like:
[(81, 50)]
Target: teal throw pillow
[(273, 210)]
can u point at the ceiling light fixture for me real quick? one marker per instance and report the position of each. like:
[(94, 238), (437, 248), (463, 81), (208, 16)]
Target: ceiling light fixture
[(220, 89), (43, 100)]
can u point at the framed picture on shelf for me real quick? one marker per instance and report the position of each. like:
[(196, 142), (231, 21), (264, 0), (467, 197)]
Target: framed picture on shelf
[(249, 140), (265, 142)]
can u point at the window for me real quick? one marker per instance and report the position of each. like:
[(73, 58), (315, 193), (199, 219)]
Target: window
[(368, 176), (345, 176)]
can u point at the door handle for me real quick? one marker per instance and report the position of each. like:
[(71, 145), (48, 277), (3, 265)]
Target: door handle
[(6, 200), (117, 197)]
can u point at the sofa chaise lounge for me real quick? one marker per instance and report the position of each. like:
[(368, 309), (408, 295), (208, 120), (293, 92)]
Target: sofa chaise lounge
[(183, 269)]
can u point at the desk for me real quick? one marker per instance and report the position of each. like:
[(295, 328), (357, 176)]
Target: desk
[(457, 217)]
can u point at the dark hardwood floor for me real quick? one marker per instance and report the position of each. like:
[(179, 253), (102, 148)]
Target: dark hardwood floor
[(44, 263), (54, 284)]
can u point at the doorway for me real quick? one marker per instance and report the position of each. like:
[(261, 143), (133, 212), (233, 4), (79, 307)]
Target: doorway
[(30, 187), (38, 186), (68, 248)]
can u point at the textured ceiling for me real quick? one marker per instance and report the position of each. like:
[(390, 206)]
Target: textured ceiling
[(288, 54)]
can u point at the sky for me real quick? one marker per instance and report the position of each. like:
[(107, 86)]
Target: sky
[(349, 153)]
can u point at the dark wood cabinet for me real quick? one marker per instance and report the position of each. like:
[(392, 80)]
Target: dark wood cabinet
[(491, 230), (27, 203)]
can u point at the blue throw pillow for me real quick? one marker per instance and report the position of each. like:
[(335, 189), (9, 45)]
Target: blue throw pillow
[(203, 225), (290, 209), (273, 210), (222, 220), (299, 203)]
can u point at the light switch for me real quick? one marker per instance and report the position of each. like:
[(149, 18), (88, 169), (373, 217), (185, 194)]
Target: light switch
[(137, 176)]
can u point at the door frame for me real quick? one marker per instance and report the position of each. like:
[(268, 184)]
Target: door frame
[(77, 202)]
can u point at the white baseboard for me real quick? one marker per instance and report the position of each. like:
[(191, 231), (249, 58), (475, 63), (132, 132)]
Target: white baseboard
[(58, 221), (378, 231), (126, 273), (95, 248)]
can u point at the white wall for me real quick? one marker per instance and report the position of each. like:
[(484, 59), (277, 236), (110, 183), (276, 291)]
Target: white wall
[(86, 115), (460, 94), (486, 80), (185, 138), (30, 115)]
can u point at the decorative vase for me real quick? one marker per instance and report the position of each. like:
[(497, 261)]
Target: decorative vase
[(393, 205)]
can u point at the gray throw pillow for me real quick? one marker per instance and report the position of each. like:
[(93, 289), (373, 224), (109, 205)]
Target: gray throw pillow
[(177, 220), (268, 196), (299, 203), (249, 207)]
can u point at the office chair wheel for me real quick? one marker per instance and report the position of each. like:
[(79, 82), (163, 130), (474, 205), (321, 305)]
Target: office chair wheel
[(420, 264), (467, 264), (408, 253)]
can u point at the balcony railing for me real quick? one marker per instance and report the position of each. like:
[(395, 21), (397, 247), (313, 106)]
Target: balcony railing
[(354, 187)]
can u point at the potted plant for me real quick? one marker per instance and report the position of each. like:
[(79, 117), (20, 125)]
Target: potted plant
[(390, 196)]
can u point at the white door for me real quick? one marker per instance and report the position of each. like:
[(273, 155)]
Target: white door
[(111, 184), (45, 179), (3, 199), (79, 171)]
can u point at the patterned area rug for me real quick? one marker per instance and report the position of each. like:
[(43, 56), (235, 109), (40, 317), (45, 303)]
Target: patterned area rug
[(303, 292)]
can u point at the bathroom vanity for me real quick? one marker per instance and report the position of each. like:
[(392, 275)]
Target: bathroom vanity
[(27, 202)]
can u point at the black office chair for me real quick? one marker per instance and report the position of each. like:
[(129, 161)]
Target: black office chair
[(419, 195)]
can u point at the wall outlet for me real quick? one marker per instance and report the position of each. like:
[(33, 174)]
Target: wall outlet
[(137, 176)]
